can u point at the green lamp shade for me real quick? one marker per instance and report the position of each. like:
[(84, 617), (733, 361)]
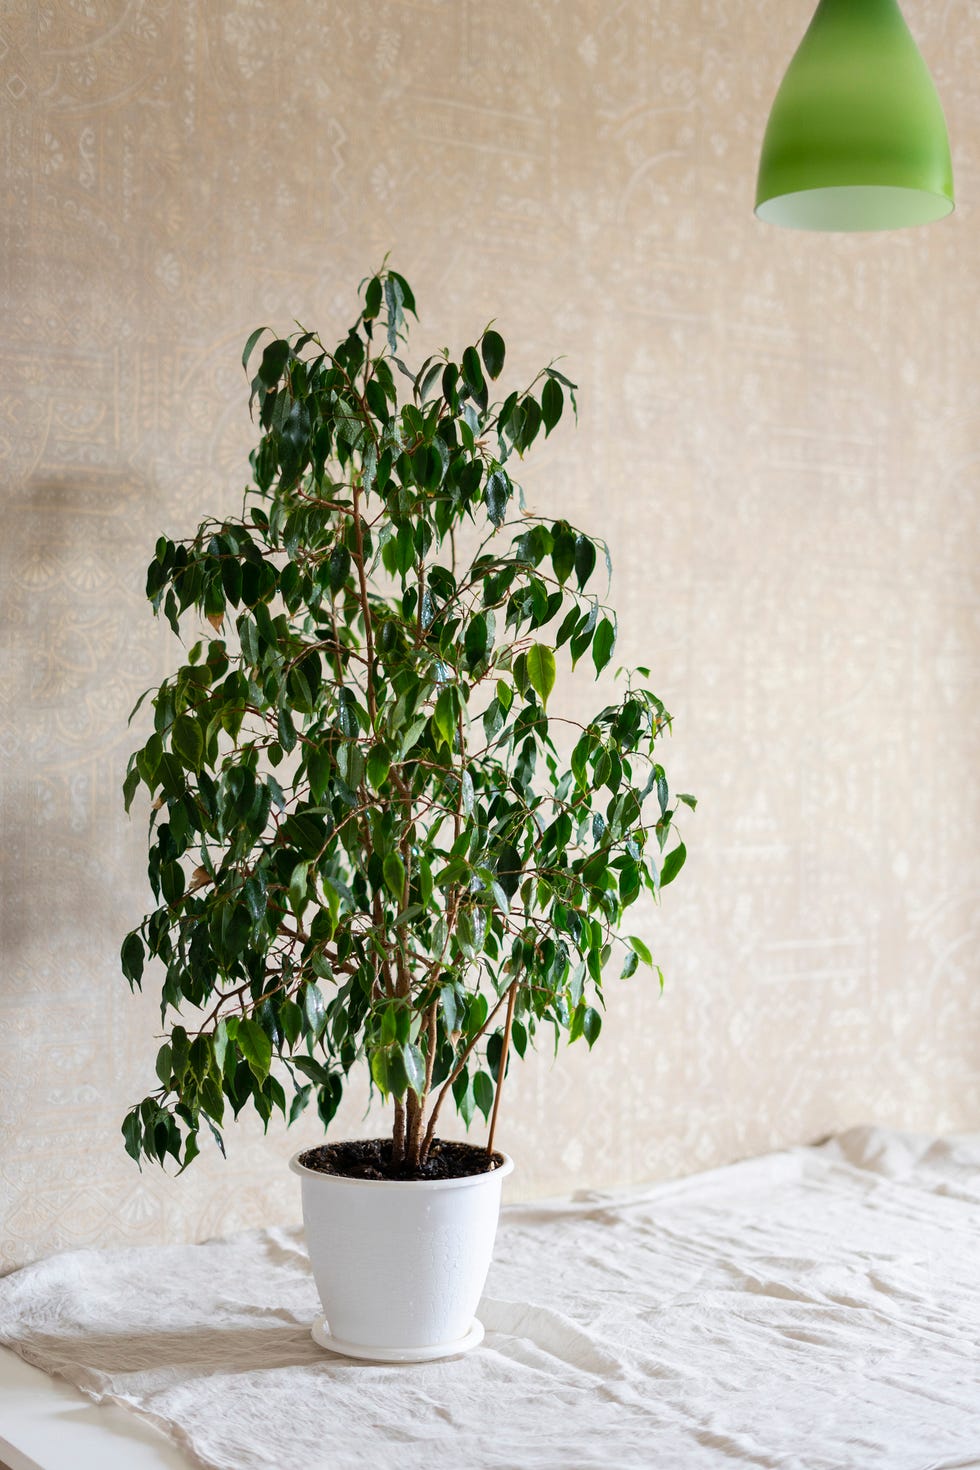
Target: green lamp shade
[(856, 139)]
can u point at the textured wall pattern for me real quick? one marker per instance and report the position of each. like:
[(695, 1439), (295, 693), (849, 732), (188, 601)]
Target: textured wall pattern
[(780, 436)]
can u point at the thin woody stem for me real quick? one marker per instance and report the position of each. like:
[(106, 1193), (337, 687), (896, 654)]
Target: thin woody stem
[(447, 1085), (502, 1067)]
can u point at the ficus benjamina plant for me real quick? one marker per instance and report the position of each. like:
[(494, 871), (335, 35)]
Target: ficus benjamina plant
[(364, 843)]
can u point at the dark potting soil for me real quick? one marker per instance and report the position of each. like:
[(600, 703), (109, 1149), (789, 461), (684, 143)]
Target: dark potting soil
[(370, 1158)]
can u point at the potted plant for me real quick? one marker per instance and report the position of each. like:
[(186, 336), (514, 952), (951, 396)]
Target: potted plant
[(371, 839)]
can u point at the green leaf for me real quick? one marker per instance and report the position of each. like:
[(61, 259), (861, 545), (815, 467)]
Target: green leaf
[(378, 766), (132, 1132), (463, 1097), (483, 1092), (496, 494), (639, 948), (164, 1064), (274, 360), (338, 568), (247, 352), (629, 966), (291, 1022), (133, 955), (389, 1024), (414, 1067), (509, 869), (286, 729), (255, 1047), (541, 670), (347, 712), (450, 1007), (394, 299), (552, 402), (586, 1022), (475, 639), (297, 887), (191, 1151), (372, 299), (407, 295), (493, 351), (253, 890), (584, 559), (314, 1070), (603, 644), (394, 874), (673, 863), (314, 1008), (380, 1070), (591, 1025), (220, 1044), (563, 553), (444, 717), (473, 373), (130, 784), (187, 741)]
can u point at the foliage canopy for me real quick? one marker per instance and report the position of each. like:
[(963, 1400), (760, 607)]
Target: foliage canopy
[(363, 842)]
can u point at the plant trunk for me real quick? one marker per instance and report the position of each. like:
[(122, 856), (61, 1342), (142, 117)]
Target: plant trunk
[(413, 1146), (398, 1134)]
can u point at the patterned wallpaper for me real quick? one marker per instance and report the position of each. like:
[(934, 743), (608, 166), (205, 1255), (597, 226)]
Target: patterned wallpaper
[(780, 435)]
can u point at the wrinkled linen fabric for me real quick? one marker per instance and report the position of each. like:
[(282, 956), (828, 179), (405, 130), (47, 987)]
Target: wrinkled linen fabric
[(815, 1309)]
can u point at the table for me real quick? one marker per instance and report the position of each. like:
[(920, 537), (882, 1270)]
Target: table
[(814, 1309)]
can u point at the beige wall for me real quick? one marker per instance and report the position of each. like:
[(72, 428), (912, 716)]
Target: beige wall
[(780, 435)]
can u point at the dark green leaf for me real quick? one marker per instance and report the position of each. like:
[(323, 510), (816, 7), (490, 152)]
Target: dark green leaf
[(338, 568), (274, 360), (591, 1025), (473, 373), (132, 1132), (247, 352), (496, 495), (483, 1093), (493, 351), (552, 402), (187, 741), (603, 644), (372, 299), (584, 559), (133, 955)]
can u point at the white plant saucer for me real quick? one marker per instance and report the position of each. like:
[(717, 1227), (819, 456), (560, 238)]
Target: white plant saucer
[(325, 1339)]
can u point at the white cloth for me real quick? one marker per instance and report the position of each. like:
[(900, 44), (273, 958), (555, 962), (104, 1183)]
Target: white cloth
[(816, 1309)]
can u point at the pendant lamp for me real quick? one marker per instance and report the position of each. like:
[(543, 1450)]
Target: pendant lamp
[(856, 139)]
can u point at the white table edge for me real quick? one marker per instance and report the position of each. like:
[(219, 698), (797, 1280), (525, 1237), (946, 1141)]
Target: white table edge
[(48, 1424)]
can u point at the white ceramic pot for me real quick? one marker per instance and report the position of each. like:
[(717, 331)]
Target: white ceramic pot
[(400, 1264)]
